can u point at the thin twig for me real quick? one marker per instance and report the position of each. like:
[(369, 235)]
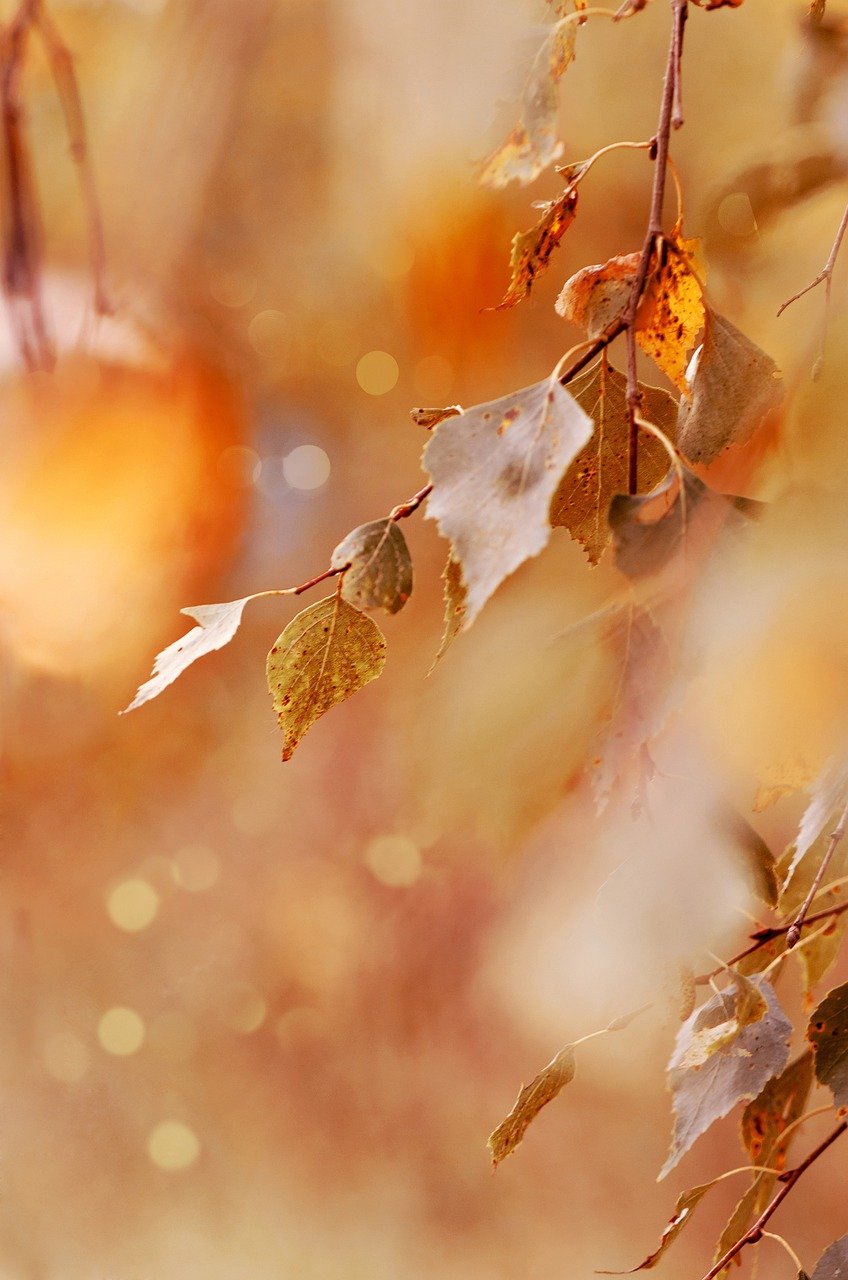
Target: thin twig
[(825, 277), (407, 508), (755, 1233), (793, 933), (772, 1235), (764, 936)]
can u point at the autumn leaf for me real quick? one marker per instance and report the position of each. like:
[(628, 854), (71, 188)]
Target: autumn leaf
[(532, 250), (833, 1264), (324, 655), (748, 1007), (828, 792), (597, 297), (718, 4), (687, 1202), (736, 385), (671, 314), (758, 858), (431, 418), (828, 1034), (380, 572), (600, 470), (494, 471), (735, 1072), (218, 625), (776, 1107), (541, 1090), (454, 607)]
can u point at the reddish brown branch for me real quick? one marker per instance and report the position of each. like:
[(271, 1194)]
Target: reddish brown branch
[(793, 933), (754, 1233), (763, 937), (319, 577), (405, 509)]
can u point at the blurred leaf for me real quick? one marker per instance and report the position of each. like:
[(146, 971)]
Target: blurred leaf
[(454, 606), (431, 418), (683, 1209), (719, 4), (735, 386), (828, 792), (494, 472), (828, 1034), (218, 625), (764, 1120), (325, 655), (833, 1263), (600, 470), (531, 250), (541, 1090), (818, 955), (758, 857), (380, 573), (736, 1072)]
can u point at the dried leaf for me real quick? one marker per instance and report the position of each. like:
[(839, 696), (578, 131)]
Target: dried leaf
[(532, 250), (380, 573), (764, 1121), (833, 1264), (671, 314), (683, 1209), (494, 472), (828, 1034), (828, 793), (597, 297), (736, 385), (818, 954), (600, 470), (431, 418), (218, 625), (758, 857), (454, 606), (718, 4), (532, 1097), (533, 145), (736, 1072), (325, 655), (749, 1006)]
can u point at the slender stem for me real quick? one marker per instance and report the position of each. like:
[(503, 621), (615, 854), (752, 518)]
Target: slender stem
[(793, 933), (772, 1235), (407, 508), (755, 1233), (313, 582), (764, 936), (825, 276)]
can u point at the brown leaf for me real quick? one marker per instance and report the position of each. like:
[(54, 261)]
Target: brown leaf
[(533, 1096), (671, 314), (764, 1121), (597, 297), (324, 655), (833, 1263), (736, 385), (758, 857), (683, 1209), (494, 471), (454, 607), (431, 418), (531, 250), (828, 1034), (380, 573), (600, 470), (719, 4), (735, 1072)]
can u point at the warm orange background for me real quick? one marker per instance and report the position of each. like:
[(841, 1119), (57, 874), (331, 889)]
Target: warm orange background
[(339, 971)]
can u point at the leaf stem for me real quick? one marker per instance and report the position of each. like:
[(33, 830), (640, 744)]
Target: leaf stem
[(755, 1233), (772, 1235)]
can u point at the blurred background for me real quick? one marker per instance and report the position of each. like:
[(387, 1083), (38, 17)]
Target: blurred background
[(258, 1020)]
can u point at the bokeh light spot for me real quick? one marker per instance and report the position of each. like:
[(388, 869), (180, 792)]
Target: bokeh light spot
[(132, 905), (121, 1031), (173, 1146), (377, 372), (65, 1057), (736, 216), (196, 868), (306, 467), (269, 334), (394, 860), (243, 1008), (239, 466)]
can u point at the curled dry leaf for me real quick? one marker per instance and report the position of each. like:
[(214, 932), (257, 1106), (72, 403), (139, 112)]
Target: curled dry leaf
[(735, 1072), (380, 573), (833, 1264), (597, 297), (764, 1121), (687, 1202), (454, 607), (532, 250), (749, 1006), (218, 625), (828, 1034), (541, 1090), (494, 472), (735, 387), (431, 418), (325, 655), (600, 470)]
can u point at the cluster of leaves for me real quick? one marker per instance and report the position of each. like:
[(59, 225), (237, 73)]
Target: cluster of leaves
[(622, 465)]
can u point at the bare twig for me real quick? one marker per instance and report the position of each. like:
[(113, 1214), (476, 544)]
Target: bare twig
[(405, 509), (755, 1233), (825, 277), (793, 933)]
